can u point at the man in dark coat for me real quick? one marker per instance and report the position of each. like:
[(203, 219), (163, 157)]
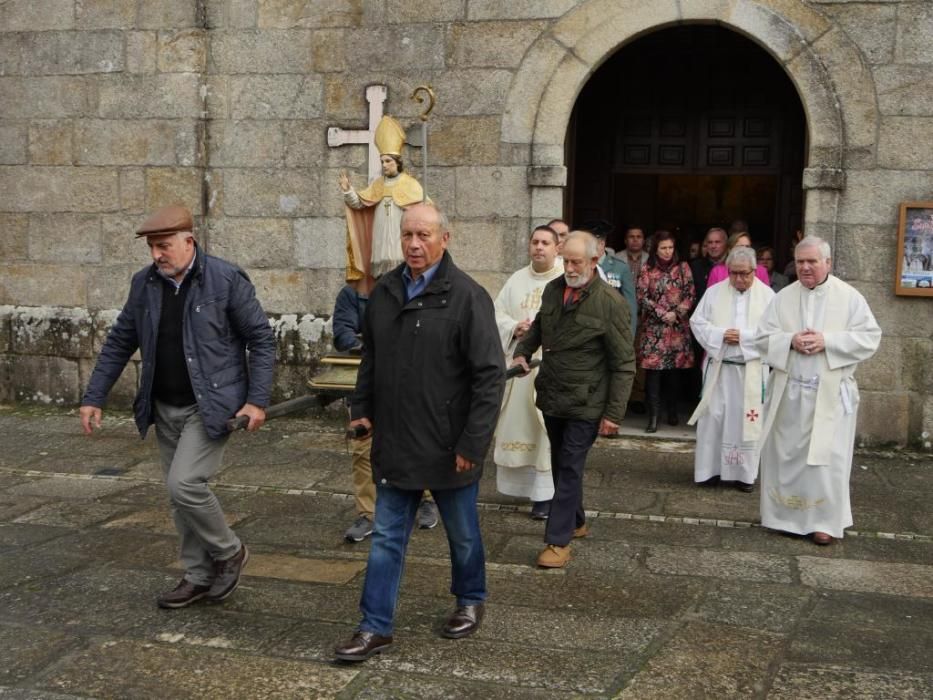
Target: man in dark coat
[(584, 382), (429, 389), (192, 317)]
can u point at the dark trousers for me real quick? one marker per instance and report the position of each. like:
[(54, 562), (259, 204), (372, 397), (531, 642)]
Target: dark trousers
[(570, 442)]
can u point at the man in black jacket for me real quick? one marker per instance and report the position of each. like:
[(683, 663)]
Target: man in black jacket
[(192, 317), (428, 390)]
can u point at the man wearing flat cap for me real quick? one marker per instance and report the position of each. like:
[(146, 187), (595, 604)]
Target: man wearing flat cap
[(192, 317)]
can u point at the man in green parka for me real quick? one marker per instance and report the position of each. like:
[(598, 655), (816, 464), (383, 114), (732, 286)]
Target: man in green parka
[(588, 362)]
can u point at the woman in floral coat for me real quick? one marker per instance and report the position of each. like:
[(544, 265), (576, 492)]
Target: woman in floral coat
[(665, 298)]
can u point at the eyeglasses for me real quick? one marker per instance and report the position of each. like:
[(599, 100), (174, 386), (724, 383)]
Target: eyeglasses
[(736, 273)]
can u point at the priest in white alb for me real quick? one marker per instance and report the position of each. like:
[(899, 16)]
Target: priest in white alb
[(813, 335), (728, 417), (522, 450)]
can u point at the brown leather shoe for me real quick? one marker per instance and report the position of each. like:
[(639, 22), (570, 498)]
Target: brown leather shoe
[(228, 575), (361, 646), (184, 594), (464, 621), (822, 538), (554, 557), (582, 531)]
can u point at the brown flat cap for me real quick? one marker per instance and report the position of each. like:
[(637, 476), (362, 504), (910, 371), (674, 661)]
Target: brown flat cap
[(169, 219)]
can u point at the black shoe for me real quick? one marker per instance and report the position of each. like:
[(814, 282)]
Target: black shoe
[(540, 510), (712, 481), (743, 487), (183, 595), (228, 575), (464, 621), (361, 646), (652, 422)]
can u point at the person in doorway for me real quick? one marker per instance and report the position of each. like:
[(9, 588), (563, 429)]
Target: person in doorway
[(766, 260), (207, 355), (665, 299), (583, 383), (728, 417), (561, 228), (714, 244), (695, 248), (813, 335), (428, 390), (613, 269), (790, 270), (522, 451), (635, 256), (720, 272)]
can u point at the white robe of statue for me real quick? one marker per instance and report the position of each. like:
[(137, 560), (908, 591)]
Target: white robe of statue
[(724, 446), (809, 431), (522, 450), (387, 225)]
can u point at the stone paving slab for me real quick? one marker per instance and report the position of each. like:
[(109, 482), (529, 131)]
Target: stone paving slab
[(71, 514), (884, 611), (811, 682), (758, 606), (745, 566), (862, 646), (370, 685), (57, 488), (156, 520), (164, 671), (18, 534), (303, 569), (26, 649), (704, 660), (911, 580)]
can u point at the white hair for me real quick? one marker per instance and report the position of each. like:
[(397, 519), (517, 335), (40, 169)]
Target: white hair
[(742, 254), (590, 245), (814, 242)]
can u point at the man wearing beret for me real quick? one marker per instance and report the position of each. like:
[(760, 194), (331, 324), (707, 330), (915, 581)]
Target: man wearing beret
[(192, 317)]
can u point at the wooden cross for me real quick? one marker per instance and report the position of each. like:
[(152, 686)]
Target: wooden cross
[(375, 95)]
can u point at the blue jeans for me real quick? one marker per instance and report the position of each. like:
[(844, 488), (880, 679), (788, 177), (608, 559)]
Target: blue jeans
[(395, 517)]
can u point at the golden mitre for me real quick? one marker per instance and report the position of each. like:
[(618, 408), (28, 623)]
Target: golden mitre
[(389, 137)]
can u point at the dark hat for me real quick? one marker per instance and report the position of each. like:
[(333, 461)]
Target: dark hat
[(171, 219), (598, 227)]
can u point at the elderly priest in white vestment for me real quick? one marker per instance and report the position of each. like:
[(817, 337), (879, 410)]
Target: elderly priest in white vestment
[(729, 415), (812, 335), (522, 450)]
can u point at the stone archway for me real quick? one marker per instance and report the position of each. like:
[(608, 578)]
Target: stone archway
[(828, 71)]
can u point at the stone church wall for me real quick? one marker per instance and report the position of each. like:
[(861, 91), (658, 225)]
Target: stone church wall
[(110, 108)]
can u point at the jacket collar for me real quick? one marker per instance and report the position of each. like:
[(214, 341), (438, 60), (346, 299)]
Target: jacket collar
[(196, 274), (439, 284)]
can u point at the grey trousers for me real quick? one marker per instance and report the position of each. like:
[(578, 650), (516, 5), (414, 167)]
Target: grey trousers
[(189, 459)]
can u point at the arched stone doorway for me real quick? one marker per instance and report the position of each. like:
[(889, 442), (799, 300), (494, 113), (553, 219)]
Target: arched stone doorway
[(825, 67), (686, 128)]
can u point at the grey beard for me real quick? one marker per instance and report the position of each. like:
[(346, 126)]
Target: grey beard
[(580, 281)]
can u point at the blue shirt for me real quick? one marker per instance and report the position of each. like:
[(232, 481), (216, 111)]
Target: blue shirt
[(414, 287)]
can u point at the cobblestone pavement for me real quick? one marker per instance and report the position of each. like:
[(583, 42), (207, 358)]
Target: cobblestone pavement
[(677, 593)]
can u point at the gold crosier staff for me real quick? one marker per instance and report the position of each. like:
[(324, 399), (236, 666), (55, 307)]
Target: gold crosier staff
[(432, 98)]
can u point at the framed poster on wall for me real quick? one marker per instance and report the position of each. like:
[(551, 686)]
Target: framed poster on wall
[(915, 250)]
